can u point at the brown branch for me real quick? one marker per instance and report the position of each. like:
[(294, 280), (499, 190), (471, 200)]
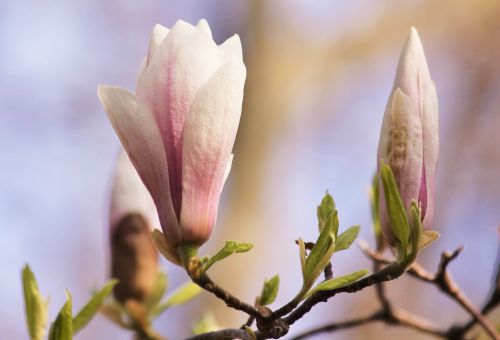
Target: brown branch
[(386, 274), (341, 325), (443, 280), (457, 332), (393, 317), (205, 282), (225, 334)]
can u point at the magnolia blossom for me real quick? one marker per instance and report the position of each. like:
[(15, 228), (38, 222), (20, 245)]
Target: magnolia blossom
[(180, 125), (409, 140), (134, 259)]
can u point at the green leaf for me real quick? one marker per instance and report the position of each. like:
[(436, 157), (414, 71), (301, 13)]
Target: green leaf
[(158, 291), (92, 306), (35, 305), (206, 324), (322, 251), (167, 250), (62, 327), (416, 226), (345, 239), (269, 291), (395, 207), (427, 237), (338, 282), (182, 295), (229, 249), (325, 209), (302, 252)]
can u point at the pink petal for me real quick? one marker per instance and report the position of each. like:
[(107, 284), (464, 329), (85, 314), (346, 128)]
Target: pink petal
[(430, 127), (400, 146), (183, 62), (210, 131), (135, 126)]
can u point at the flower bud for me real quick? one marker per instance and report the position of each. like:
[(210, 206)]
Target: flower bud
[(134, 259), (409, 141), (180, 126)]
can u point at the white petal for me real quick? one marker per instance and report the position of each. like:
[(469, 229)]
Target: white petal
[(135, 126), (203, 26), (129, 195), (209, 135), (231, 49), (157, 36)]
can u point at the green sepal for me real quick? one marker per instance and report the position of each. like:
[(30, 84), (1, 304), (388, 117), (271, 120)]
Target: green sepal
[(324, 210), (167, 250), (395, 207), (416, 225), (62, 327), (36, 306), (182, 295), (338, 282), (92, 306), (230, 248), (345, 239), (269, 291)]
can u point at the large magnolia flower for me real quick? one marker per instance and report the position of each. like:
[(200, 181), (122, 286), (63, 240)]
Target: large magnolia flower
[(409, 140), (180, 126)]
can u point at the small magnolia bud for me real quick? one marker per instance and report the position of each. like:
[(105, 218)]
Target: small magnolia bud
[(134, 259), (409, 141)]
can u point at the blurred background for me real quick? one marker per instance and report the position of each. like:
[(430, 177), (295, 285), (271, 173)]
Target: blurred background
[(319, 73)]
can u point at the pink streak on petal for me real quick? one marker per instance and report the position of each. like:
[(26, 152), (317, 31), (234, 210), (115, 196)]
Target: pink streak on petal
[(209, 136), (136, 127), (183, 62)]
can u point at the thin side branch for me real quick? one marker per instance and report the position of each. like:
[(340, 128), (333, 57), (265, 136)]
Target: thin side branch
[(443, 280), (230, 300), (225, 334)]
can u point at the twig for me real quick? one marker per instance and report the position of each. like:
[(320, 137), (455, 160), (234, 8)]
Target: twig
[(322, 296), (394, 316), (341, 325), (225, 334), (457, 332), (232, 301), (443, 280)]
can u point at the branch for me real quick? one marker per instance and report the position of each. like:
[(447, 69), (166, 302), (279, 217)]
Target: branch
[(394, 316), (225, 334), (385, 274), (443, 280), (232, 301), (493, 300), (341, 325)]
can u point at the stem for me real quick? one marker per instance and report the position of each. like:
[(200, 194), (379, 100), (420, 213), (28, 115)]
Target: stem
[(225, 334), (205, 282), (188, 251)]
